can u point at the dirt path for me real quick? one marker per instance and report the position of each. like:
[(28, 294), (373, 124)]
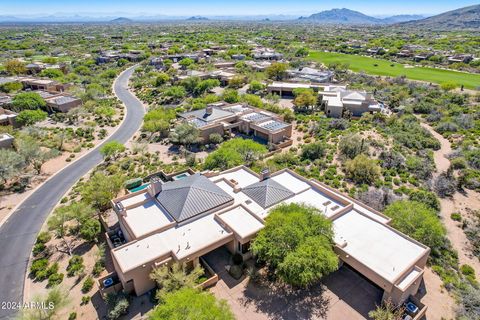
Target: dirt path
[(460, 202)]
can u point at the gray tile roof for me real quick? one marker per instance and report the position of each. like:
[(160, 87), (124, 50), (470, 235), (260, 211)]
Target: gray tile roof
[(190, 196), (267, 192)]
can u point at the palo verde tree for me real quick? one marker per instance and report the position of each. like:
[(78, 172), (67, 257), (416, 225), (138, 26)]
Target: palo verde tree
[(188, 303), (175, 277), (297, 242)]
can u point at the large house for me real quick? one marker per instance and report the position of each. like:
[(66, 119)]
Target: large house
[(8, 118), (184, 219), (221, 117), (6, 140), (62, 103), (337, 100), (311, 75)]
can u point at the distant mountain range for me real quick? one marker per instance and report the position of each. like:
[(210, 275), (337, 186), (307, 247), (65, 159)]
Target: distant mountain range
[(463, 18), (121, 20), (347, 16), (198, 18)]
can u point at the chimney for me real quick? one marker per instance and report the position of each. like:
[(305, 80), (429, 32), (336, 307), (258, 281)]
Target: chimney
[(209, 110), (120, 209), (265, 174), (155, 186)]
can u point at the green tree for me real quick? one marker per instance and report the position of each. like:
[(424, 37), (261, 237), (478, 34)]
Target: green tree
[(222, 159), (100, 189), (305, 99), (58, 223), (205, 86), (175, 277), (313, 151), (277, 71), (90, 229), (29, 117), (215, 138), (185, 134), (175, 93), (186, 62), (111, 149), (15, 67), (418, 221), (29, 148), (11, 164), (161, 79), (387, 311), (233, 153), (188, 303), (51, 73), (27, 101), (352, 145), (448, 86), (10, 87), (255, 86), (362, 169), (297, 242), (230, 96)]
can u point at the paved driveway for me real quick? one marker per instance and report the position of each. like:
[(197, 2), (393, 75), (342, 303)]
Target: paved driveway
[(18, 233), (344, 295)]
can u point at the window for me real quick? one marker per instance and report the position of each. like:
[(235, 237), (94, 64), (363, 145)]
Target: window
[(245, 247)]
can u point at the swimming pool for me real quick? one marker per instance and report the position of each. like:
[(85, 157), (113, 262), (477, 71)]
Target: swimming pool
[(143, 186)]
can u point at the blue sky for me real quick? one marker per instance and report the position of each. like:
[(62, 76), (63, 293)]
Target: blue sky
[(216, 7)]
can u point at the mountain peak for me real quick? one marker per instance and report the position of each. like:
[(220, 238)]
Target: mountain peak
[(463, 18), (342, 16)]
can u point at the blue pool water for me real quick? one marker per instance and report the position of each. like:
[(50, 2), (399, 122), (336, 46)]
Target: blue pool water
[(143, 186)]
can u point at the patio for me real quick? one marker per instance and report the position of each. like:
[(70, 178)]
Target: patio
[(342, 295)]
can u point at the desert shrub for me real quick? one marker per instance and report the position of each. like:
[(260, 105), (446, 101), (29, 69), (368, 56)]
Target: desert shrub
[(87, 284), (445, 185), (352, 145), (362, 169), (75, 266)]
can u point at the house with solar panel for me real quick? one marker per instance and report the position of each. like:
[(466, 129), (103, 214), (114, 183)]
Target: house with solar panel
[(223, 118), (186, 218)]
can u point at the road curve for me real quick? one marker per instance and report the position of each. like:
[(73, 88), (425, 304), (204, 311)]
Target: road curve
[(18, 233)]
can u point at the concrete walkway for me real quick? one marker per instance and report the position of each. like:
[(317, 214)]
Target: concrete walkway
[(18, 233)]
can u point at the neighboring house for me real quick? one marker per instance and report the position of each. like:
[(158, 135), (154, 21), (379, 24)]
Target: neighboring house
[(310, 75), (285, 89), (338, 99), (8, 118), (266, 54), (182, 220), (62, 103), (460, 58), (222, 117), (239, 56), (5, 100), (157, 63), (6, 140), (43, 84), (422, 56), (375, 50), (258, 66), (224, 75), (405, 53)]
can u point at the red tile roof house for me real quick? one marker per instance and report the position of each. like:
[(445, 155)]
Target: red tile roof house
[(184, 219)]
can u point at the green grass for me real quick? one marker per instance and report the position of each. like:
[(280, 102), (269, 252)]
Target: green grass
[(387, 68)]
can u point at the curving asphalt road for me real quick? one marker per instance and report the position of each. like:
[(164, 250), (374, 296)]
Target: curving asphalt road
[(18, 233)]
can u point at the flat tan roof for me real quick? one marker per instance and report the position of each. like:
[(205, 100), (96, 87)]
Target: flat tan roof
[(147, 218), (241, 221), (380, 248), (180, 240)]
